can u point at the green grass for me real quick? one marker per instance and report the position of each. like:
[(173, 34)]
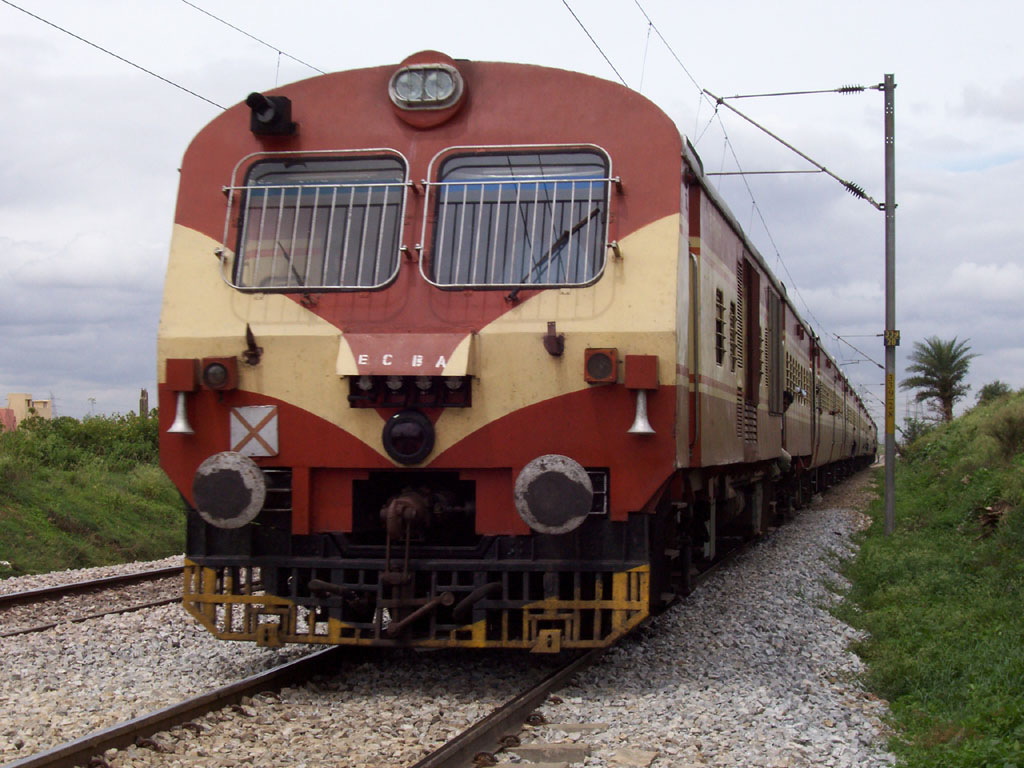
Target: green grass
[(79, 494), (943, 598)]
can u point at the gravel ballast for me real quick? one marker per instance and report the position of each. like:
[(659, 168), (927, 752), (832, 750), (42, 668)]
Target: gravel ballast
[(750, 670)]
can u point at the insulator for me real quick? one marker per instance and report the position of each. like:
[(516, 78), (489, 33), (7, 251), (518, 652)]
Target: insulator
[(855, 190)]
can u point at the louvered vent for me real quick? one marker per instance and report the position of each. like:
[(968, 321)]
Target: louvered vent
[(740, 325), (749, 422)]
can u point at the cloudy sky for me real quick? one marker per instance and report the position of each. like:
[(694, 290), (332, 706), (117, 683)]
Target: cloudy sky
[(91, 147)]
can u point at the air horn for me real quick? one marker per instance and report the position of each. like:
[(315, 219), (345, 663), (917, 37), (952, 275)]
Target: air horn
[(181, 425)]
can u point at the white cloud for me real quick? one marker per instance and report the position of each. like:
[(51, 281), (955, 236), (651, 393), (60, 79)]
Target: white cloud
[(91, 150)]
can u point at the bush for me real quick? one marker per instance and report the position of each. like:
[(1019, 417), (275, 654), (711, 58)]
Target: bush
[(1007, 427), (911, 431), (115, 443), (993, 391)]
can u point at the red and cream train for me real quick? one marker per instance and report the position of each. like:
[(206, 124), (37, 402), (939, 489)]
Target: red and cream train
[(466, 354)]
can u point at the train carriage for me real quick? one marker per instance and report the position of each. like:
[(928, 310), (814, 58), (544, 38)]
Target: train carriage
[(464, 354)]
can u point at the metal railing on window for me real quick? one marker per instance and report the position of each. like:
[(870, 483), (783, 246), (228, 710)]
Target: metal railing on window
[(516, 227), (305, 236)]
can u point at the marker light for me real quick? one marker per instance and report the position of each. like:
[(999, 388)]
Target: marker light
[(425, 86), (600, 366), (219, 373), (215, 375)]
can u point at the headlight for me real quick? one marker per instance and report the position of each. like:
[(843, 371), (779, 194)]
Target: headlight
[(408, 437), (425, 86)]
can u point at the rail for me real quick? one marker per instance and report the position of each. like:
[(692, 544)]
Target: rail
[(78, 587), (82, 750)]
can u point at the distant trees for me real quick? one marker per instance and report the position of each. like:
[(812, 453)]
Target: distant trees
[(938, 369), (993, 391)]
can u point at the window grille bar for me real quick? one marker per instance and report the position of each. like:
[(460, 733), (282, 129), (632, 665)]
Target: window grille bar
[(362, 237), (380, 234), (533, 230), (515, 228), (476, 239), (286, 187), (494, 239), (444, 220), (568, 246), (289, 255), (551, 234), (312, 235), (348, 232), (330, 234), (586, 253), (259, 240), (462, 233), (277, 235)]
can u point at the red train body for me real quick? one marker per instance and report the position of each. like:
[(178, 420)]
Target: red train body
[(469, 354)]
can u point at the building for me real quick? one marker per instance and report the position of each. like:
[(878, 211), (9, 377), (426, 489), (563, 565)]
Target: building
[(20, 406)]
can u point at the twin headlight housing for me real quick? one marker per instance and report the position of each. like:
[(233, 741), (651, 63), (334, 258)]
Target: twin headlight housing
[(426, 86)]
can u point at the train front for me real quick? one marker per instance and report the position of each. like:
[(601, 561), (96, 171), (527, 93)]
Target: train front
[(418, 358)]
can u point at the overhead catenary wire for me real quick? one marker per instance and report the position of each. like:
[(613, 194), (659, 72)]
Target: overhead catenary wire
[(621, 79), (705, 95), (865, 355), (842, 89), (253, 37), (852, 188), (111, 53)]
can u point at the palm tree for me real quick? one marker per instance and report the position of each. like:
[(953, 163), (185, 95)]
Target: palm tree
[(939, 368)]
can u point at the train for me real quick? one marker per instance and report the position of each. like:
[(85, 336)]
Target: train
[(460, 354)]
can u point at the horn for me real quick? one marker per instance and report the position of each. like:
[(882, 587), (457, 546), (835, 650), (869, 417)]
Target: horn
[(641, 426), (181, 425)]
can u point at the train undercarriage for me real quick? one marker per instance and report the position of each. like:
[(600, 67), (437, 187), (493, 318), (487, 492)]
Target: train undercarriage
[(400, 581)]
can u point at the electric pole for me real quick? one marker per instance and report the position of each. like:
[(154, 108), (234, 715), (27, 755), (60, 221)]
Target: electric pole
[(892, 336)]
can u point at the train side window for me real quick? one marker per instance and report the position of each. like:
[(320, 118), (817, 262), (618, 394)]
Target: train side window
[(310, 224), (519, 219)]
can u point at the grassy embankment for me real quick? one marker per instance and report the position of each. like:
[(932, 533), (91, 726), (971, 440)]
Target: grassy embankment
[(78, 494), (943, 598)]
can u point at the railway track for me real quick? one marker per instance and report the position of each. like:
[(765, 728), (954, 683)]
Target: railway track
[(487, 736), (88, 750), (472, 746), (24, 609)]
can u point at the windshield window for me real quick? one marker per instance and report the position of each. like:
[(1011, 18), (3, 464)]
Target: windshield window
[(520, 219), (321, 223)]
